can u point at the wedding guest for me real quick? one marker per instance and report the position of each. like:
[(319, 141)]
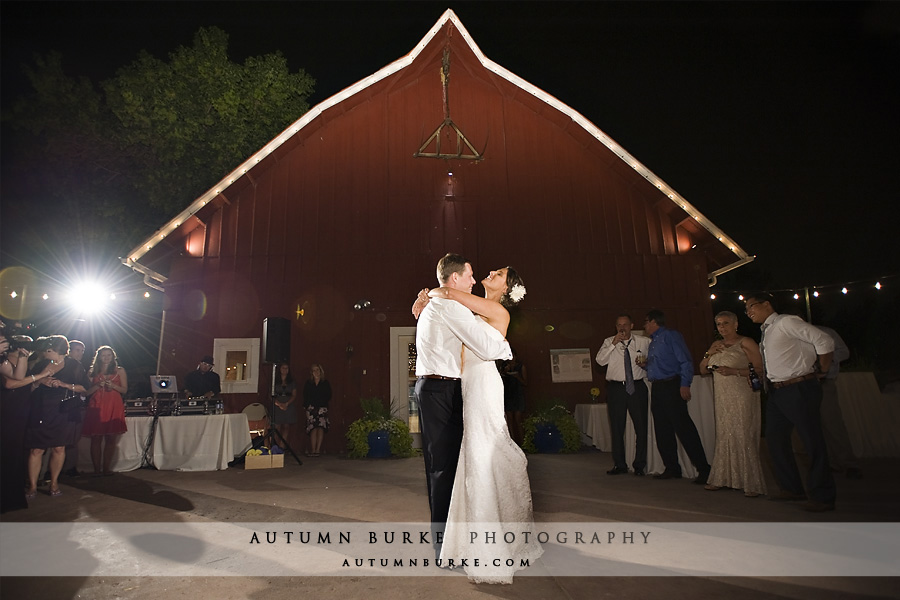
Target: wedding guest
[(671, 370), (316, 396), (70, 466), (837, 440), (795, 355), (285, 415), (622, 355), (736, 462), (104, 419), (54, 418), (14, 407), (515, 379)]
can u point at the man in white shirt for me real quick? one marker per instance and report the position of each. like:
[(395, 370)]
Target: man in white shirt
[(443, 327), (626, 392), (796, 356)]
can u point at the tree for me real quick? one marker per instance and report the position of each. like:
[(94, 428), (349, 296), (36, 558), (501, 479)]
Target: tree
[(108, 164)]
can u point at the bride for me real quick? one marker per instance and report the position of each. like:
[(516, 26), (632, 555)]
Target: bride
[(491, 492)]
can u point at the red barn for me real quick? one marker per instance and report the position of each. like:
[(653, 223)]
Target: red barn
[(339, 221)]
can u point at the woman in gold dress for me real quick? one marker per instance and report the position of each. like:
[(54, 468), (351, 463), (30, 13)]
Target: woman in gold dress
[(738, 411)]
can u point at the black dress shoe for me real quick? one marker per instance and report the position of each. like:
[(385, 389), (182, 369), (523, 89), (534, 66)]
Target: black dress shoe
[(813, 506), (639, 473), (617, 471), (668, 474), (783, 496), (703, 477)]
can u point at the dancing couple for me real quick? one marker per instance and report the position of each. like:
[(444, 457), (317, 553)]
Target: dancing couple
[(476, 474)]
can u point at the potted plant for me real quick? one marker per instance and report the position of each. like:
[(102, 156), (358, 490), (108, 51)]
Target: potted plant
[(377, 434), (551, 429)]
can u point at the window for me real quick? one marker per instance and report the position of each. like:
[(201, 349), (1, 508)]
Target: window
[(237, 363)]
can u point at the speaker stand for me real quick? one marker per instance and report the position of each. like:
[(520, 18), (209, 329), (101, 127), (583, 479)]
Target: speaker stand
[(272, 433)]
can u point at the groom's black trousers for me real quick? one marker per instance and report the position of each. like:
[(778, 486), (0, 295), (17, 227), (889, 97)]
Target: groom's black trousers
[(440, 409)]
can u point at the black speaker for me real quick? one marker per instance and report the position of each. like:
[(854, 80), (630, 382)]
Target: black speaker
[(276, 340)]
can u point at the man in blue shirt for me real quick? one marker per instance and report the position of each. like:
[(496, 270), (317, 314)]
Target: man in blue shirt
[(671, 370)]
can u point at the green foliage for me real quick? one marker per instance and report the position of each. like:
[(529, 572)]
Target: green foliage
[(377, 417), (552, 413), (139, 147)]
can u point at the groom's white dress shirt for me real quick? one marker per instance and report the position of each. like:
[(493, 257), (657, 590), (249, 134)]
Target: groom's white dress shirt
[(443, 327)]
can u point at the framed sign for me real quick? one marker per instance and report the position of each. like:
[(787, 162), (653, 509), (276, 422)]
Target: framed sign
[(570, 364)]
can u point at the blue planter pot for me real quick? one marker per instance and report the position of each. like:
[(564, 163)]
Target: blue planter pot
[(379, 444), (547, 439)]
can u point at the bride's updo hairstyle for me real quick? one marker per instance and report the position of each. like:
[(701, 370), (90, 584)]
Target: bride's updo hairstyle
[(512, 296)]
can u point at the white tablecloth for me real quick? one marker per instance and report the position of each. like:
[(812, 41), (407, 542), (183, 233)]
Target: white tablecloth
[(593, 419), (183, 443), (872, 417)]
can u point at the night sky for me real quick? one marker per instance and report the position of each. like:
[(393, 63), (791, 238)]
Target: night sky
[(778, 121)]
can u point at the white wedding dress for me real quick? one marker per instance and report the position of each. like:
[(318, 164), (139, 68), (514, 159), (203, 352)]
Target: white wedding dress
[(491, 493)]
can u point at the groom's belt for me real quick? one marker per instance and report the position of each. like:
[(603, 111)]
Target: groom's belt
[(441, 377)]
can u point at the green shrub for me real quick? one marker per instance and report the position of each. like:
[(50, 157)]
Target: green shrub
[(556, 414), (377, 417)]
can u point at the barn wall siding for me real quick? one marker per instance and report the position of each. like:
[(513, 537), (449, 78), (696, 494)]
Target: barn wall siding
[(345, 212)]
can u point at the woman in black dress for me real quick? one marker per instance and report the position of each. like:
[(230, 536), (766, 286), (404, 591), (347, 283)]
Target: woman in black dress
[(14, 406), (316, 396), (55, 418), (285, 414)]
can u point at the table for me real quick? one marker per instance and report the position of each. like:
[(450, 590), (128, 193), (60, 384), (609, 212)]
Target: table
[(182, 443), (872, 417), (593, 419)]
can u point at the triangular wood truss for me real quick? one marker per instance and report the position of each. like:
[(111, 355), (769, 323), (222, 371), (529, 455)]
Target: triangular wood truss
[(448, 124)]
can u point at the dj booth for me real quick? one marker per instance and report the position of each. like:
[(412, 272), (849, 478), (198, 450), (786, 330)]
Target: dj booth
[(185, 442)]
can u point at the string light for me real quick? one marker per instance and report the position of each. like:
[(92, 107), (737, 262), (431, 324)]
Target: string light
[(816, 291)]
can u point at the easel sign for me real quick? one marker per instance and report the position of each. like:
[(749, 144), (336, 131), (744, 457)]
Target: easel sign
[(570, 364)]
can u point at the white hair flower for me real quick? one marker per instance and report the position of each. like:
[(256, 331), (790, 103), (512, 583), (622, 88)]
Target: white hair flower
[(517, 293)]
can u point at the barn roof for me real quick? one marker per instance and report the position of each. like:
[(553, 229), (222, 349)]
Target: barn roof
[(727, 253)]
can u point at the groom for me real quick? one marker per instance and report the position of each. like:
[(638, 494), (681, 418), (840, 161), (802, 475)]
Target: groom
[(444, 326)]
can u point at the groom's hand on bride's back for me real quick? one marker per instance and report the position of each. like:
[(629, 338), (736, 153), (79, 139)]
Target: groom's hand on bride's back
[(419, 305)]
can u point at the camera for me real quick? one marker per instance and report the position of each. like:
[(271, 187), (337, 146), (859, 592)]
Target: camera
[(24, 342)]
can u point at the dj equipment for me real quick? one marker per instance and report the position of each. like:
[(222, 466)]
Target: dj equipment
[(166, 407)]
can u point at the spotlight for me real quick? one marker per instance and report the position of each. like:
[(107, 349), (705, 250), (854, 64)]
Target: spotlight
[(88, 296), (362, 305)]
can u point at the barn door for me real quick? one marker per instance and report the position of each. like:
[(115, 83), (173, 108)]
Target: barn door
[(403, 379)]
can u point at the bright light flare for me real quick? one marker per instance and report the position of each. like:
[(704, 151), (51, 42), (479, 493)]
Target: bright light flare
[(89, 297)]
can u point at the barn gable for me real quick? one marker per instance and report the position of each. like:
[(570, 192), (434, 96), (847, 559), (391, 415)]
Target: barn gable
[(723, 253), (338, 209)]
